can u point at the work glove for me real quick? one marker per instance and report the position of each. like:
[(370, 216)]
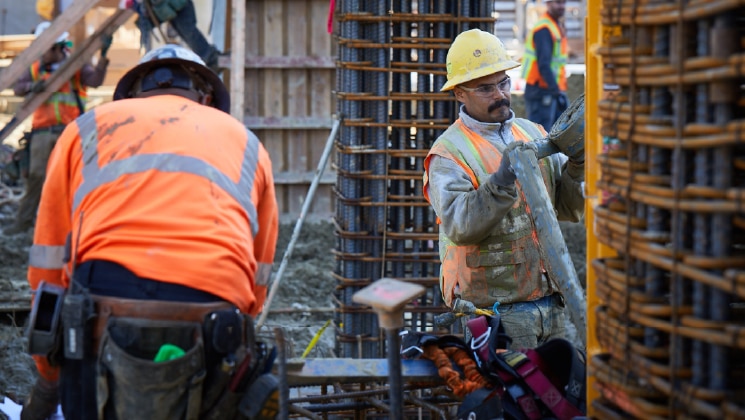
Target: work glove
[(576, 170), (38, 86), (578, 158), (106, 44), (562, 100), (505, 175), (42, 402)]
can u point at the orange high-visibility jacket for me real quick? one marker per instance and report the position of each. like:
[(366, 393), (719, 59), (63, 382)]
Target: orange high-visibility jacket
[(171, 189), (507, 266), (62, 107), (530, 71)]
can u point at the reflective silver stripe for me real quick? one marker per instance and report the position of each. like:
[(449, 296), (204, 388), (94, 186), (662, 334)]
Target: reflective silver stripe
[(263, 274), (94, 177), (248, 170), (50, 257)]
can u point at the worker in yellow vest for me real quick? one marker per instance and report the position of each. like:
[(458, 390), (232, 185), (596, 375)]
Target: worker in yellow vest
[(544, 63), (488, 241)]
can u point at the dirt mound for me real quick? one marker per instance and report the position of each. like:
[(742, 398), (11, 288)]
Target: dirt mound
[(303, 303)]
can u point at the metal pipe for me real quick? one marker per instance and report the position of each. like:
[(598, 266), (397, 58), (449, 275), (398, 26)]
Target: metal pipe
[(550, 238), (284, 388), (395, 392)]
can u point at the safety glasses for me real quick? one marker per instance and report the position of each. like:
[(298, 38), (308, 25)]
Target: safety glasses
[(489, 89)]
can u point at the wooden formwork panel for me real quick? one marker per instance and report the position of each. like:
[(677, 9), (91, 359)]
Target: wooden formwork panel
[(289, 100)]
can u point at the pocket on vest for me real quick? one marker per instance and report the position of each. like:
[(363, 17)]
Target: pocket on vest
[(499, 270), (492, 259), (133, 386)]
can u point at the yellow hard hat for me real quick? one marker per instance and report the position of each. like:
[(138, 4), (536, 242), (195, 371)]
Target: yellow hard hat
[(473, 54)]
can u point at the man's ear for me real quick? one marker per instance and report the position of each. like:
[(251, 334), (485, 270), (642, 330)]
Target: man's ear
[(458, 94)]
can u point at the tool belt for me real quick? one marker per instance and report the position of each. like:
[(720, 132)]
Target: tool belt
[(221, 365), (108, 307), (54, 129)]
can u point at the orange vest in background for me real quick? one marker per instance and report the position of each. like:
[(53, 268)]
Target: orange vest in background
[(559, 55), (62, 106)]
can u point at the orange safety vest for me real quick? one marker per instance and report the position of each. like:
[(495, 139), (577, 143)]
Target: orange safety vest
[(62, 107), (173, 190), (531, 73), (507, 266)]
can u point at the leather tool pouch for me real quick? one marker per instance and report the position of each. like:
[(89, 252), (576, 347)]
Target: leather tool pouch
[(233, 403), (130, 385)]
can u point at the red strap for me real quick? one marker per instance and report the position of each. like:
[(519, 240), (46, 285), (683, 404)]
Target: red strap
[(330, 20), (481, 331), (546, 391)]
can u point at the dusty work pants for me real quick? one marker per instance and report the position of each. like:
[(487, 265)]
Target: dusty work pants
[(533, 323), (42, 143), (185, 24), (542, 107), (530, 324)]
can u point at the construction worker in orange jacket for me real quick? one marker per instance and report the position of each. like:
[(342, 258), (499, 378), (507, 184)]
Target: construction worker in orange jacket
[(51, 117), (159, 209), (544, 66), (488, 240)]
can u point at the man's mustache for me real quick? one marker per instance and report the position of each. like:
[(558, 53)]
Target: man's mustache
[(499, 103)]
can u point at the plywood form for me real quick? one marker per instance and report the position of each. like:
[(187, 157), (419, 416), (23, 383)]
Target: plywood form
[(288, 96), (12, 45)]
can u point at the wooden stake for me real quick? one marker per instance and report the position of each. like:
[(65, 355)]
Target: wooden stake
[(237, 58)]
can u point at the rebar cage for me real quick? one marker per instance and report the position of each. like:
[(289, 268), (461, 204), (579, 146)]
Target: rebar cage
[(672, 315), (390, 71)]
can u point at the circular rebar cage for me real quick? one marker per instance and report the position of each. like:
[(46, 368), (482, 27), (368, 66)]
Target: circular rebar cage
[(672, 318)]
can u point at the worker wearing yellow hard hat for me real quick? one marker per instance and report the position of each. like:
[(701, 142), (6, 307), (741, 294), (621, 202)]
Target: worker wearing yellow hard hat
[(488, 243), (474, 54)]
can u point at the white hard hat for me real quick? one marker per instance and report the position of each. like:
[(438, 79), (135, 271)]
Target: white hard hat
[(170, 54), (64, 37)]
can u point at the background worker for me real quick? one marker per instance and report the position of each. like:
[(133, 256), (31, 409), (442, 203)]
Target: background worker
[(544, 62), (181, 15), (49, 119), (488, 240), (160, 198)]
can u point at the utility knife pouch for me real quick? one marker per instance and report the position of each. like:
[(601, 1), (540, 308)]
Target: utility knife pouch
[(44, 325)]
